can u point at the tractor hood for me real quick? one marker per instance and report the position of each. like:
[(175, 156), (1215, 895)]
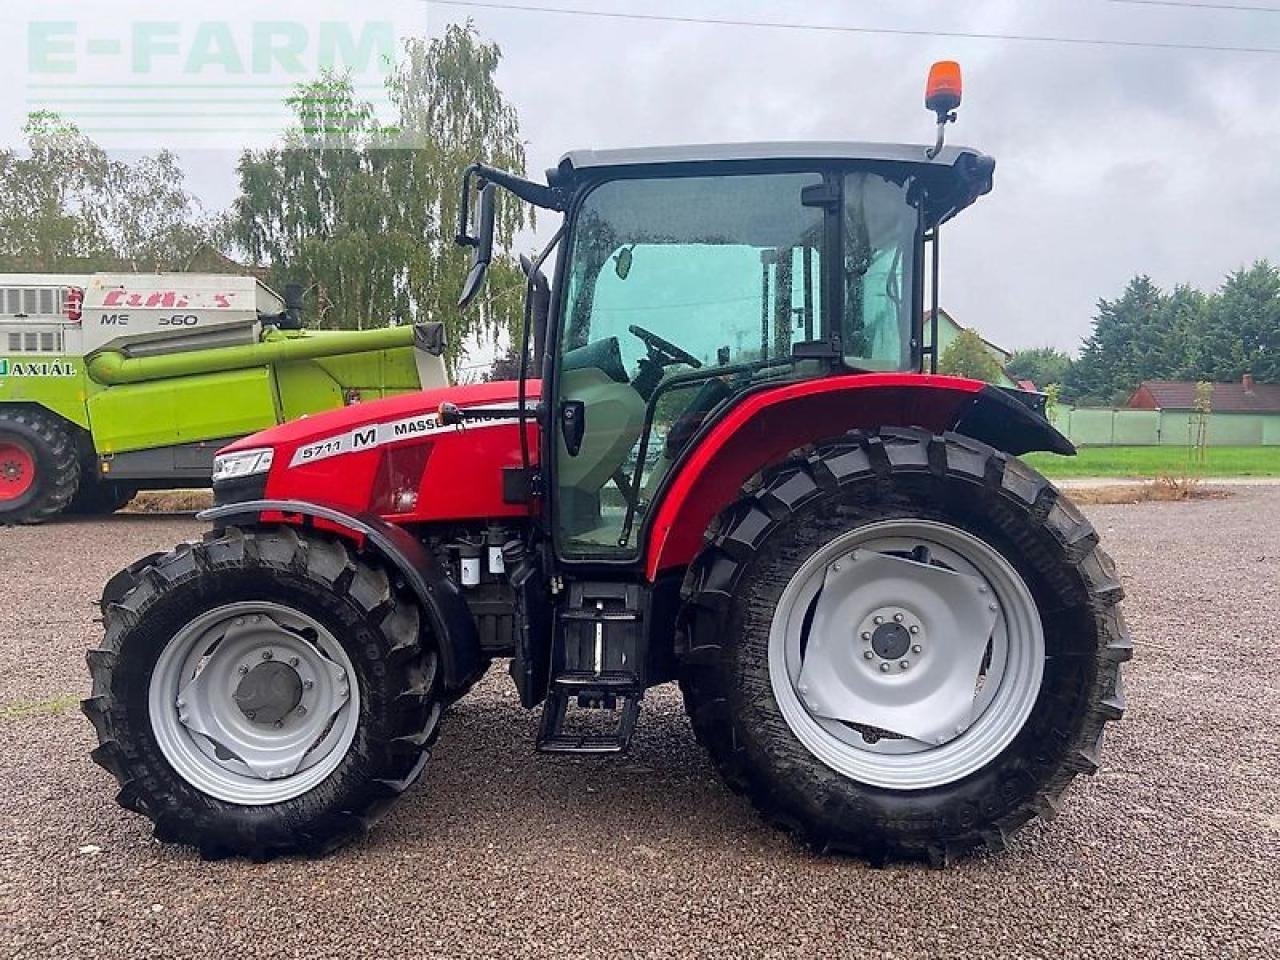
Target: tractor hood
[(391, 457)]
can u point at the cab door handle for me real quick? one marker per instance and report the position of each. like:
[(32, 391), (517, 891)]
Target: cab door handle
[(573, 424)]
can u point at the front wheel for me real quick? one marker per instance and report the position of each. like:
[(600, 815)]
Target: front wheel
[(262, 693), (903, 646)]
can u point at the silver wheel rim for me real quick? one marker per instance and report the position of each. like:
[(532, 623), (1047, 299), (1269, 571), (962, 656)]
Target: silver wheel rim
[(944, 708), (254, 703)]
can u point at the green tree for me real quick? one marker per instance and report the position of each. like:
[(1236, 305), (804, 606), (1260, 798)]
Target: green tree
[(66, 205), (1042, 365), (1241, 329), (364, 213), (1110, 361), (968, 356)]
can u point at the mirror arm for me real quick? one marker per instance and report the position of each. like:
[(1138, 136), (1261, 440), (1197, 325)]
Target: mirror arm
[(549, 198)]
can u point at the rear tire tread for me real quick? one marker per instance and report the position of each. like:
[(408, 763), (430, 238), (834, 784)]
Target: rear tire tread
[(872, 457)]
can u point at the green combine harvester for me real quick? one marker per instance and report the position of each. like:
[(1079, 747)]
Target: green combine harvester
[(114, 383)]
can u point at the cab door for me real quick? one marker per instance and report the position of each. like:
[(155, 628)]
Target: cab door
[(679, 293)]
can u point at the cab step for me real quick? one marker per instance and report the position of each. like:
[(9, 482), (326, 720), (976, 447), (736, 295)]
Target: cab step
[(616, 693), (597, 664)]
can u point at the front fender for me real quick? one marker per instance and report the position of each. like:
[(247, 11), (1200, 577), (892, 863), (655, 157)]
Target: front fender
[(763, 426), (439, 597)]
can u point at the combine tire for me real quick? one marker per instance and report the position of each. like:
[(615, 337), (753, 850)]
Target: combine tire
[(39, 469), (264, 692), (96, 498), (903, 646)]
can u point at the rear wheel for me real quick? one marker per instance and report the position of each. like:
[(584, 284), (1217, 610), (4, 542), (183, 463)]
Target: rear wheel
[(903, 646), (262, 693), (39, 470)]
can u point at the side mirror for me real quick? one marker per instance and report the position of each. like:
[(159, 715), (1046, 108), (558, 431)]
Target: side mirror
[(483, 244)]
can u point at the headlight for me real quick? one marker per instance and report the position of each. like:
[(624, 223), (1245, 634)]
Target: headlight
[(242, 463)]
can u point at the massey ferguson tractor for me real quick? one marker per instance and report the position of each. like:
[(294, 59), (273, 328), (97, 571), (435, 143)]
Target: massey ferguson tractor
[(722, 464)]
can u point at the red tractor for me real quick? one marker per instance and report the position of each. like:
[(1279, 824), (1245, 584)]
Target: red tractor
[(732, 472)]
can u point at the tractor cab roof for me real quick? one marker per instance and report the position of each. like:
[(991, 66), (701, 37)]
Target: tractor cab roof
[(953, 179)]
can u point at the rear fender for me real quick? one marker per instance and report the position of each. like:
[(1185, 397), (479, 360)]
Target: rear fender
[(763, 427), (438, 596)]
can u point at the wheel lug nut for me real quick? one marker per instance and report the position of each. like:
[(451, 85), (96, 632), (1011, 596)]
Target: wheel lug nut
[(915, 628), (267, 654), (866, 634), (279, 724), (884, 668), (917, 648), (251, 715), (897, 618), (302, 711), (867, 655), (243, 669), (905, 664), (877, 620), (294, 661), (308, 684)]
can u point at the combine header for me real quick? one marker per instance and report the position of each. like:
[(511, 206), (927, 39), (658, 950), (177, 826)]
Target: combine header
[(112, 383)]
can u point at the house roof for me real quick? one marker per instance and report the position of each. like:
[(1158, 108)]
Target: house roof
[(1227, 397), (1005, 355)]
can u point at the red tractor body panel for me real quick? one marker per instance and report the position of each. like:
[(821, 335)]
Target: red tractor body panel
[(392, 457), (767, 425)]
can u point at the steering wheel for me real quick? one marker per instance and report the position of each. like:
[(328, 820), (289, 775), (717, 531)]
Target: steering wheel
[(665, 351)]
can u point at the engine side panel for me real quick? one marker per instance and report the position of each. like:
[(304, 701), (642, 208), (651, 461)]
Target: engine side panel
[(394, 459)]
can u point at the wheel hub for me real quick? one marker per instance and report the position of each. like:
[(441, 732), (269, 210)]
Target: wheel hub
[(269, 692), (254, 702), (17, 470), (940, 670), (890, 641)]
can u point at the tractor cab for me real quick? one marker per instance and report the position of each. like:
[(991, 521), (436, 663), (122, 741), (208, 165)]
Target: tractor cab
[(689, 277)]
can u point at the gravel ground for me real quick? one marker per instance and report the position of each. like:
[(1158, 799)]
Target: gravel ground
[(1172, 851)]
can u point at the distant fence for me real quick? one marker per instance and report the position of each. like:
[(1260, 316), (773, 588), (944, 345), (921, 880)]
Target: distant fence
[(1101, 427)]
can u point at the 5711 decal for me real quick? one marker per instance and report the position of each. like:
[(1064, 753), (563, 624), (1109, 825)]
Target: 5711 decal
[(374, 435)]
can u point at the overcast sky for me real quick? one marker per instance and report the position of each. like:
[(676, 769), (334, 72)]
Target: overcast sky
[(1111, 160)]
